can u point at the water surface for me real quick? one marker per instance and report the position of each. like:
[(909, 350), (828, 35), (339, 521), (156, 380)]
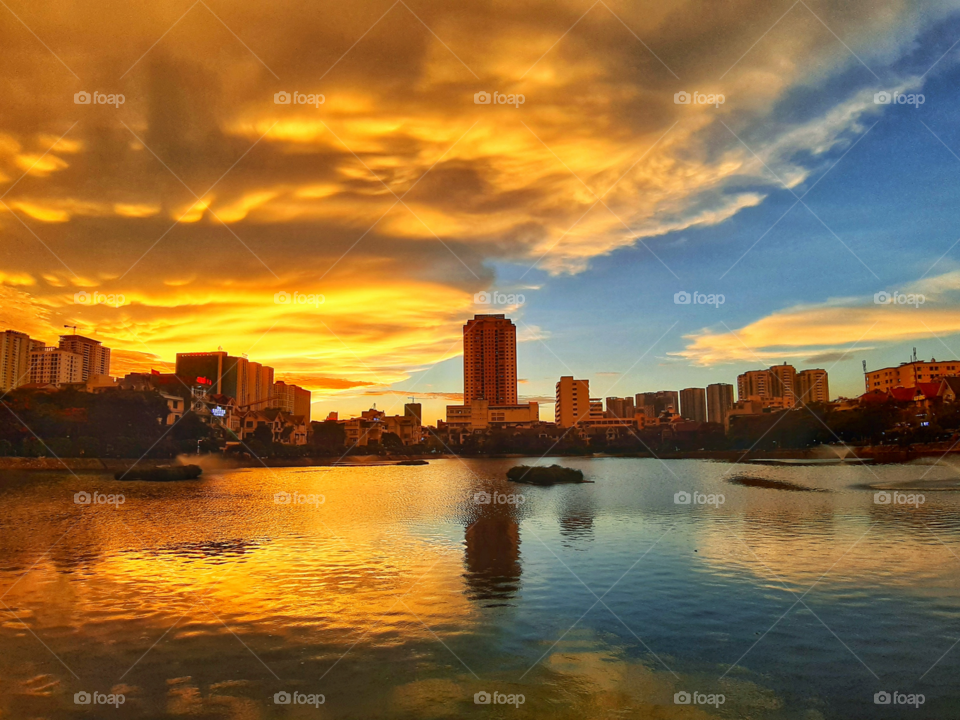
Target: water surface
[(400, 596)]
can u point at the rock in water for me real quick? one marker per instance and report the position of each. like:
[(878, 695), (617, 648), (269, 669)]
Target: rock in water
[(538, 475)]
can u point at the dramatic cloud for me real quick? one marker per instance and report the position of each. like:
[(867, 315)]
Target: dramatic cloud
[(834, 329), (212, 209)]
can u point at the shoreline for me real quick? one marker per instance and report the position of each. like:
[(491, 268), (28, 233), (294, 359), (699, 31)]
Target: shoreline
[(212, 463)]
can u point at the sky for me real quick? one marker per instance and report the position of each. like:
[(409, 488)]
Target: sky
[(345, 237)]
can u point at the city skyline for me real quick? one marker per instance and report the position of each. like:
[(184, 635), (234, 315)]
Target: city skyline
[(209, 203)]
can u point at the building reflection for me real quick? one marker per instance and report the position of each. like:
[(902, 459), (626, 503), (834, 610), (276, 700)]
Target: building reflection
[(576, 519), (492, 555)]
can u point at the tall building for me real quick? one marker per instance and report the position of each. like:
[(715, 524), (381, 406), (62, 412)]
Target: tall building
[(96, 357), (490, 360), (572, 403), (53, 366), (414, 410), (754, 384), (250, 384), (784, 383), (620, 407), (14, 359), (292, 399), (909, 374), (719, 402), (652, 404), (693, 404), (812, 386)]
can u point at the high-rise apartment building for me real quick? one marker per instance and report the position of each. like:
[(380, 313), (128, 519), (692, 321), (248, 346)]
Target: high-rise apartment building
[(414, 410), (572, 401), (490, 360), (719, 402), (249, 383), (781, 386), (53, 366), (909, 374), (96, 357), (620, 407), (784, 383), (693, 404), (652, 404), (292, 399), (812, 386), (14, 359), (754, 384)]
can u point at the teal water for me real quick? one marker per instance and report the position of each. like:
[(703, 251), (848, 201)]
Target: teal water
[(392, 593)]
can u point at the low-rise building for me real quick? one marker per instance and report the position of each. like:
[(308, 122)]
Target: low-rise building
[(908, 374), (480, 415)]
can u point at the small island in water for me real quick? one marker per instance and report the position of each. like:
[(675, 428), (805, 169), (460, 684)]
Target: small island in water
[(538, 475)]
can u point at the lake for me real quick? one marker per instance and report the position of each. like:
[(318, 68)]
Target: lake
[(684, 589)]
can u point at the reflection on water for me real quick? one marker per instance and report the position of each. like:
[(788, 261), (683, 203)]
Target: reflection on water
[(401, 596), (576, 518), (492, 554)]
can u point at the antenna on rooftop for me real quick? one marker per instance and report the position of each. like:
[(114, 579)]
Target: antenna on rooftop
[(914, 355), (864, 365)]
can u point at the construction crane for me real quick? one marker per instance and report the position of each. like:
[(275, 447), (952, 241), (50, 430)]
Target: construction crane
[(72, 326)]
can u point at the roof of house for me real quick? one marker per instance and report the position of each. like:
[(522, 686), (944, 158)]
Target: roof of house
[(902, 394), (953, 383), (875, 397)]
